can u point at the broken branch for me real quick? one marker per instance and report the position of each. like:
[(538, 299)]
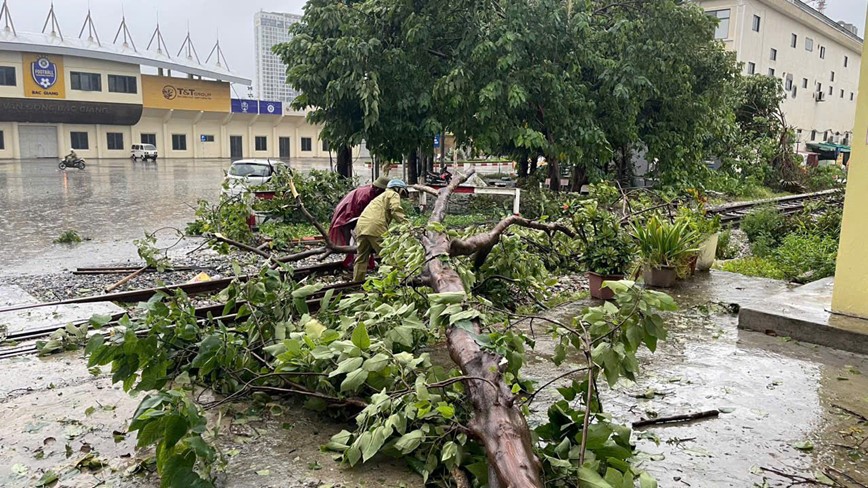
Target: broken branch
[(676, 418), (126, 279)]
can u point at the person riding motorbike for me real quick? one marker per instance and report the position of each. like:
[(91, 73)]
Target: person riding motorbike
[(71, 157)]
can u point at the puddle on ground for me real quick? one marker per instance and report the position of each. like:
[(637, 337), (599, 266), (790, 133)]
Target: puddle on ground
[(777, 393)]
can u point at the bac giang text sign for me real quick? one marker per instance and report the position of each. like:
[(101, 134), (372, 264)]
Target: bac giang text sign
[(43, 76), (185, 94)]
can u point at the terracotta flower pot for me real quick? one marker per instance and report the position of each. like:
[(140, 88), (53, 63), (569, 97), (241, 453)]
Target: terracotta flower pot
[(595, 283), (662, 277)]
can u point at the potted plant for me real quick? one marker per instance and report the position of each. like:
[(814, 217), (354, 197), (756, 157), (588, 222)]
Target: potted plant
[(663, 248), (707, 231), (608, 249)]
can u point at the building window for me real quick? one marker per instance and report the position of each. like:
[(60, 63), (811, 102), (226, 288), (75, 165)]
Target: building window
[(3, 140), (789, 83), (325, 146), (813, 135), (809, 44), (831, 90), (833, 76), (851, 99), (795, 90), (85, 81), (7, 76), (773, 54), (794, 39), (756, 23), (115, 141), (122, 84), (206, 138), (846, 61), (804, 83), (179, 142), (771, 71), (261, 143), (78, 140), (751, 68), (149, 139), (842, 93), (306, 144), (822, 52), (722, 29)]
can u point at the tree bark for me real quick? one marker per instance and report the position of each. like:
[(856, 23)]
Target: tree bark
[(345, 161), (554, 174), (497, 422), (413, 167)]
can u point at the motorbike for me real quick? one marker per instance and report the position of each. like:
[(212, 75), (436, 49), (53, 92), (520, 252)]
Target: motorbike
[(77, 163), (442, 179)]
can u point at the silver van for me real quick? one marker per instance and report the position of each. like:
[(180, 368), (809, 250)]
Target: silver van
[(143, 152)]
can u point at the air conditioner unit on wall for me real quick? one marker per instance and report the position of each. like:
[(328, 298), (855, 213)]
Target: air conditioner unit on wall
[(819, 96)]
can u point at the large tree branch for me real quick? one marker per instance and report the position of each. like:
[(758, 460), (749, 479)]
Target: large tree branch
[(487, 240), (319, 227), (497, 422), (426, 189)]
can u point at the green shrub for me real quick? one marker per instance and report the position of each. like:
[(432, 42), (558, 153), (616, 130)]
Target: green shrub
[(806, 258), (766, 227), (754, 266), (824, 178), (736, 186), (820, 218), (68, 237)]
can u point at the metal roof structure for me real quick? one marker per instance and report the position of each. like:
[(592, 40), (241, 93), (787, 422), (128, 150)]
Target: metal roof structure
[(55, 43)]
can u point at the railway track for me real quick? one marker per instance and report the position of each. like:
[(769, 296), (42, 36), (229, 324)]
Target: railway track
[(733, 213), (205, 314)]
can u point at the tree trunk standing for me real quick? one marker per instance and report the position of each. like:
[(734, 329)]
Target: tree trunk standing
[(578, 177), (497, 423), (554, 174), (534, 159), (443, 149), (345, 161), (523, 167), (413, 167)]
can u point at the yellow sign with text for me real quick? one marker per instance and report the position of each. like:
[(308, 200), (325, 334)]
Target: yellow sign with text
[(43, 77), (185, 94)]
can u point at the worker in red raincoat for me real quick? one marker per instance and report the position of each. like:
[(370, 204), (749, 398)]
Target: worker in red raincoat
[(349, 209)]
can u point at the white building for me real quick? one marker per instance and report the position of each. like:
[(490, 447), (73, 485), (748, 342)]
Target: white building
[(271, 28), (816, 59)]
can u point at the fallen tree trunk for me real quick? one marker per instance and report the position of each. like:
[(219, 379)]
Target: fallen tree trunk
[(497, 423)]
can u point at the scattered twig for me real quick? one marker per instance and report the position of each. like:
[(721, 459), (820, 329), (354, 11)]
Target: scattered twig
[(240, 245), (850, 479), (851, 412), (797, 479), (126, 279), (533, 395), (676, 418)]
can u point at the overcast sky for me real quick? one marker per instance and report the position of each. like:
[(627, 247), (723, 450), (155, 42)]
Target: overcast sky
[(232, 18)]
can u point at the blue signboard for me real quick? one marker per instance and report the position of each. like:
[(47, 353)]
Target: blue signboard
[(242, 106), (270, 108), (437, 141)]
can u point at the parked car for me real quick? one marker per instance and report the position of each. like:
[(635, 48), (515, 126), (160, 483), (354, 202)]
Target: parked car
[(246, 173), (143, 152)]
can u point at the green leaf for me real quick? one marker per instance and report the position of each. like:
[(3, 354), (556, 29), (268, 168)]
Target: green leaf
[(370, 448), (346, 366), (306, 291), (410, 441), (176, 428), (646, 480), (361, 338), (47, 479), (804, 445), (314, 328), (591, 479), (376, 363), (354, 380)]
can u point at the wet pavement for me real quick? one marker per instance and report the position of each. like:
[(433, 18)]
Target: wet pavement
[(775, 393), (111, 203)]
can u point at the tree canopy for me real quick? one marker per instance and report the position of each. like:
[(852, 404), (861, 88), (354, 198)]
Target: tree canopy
[(583, 83)]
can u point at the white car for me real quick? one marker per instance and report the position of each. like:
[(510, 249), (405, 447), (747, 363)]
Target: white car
[(246, 173), (143, 152)]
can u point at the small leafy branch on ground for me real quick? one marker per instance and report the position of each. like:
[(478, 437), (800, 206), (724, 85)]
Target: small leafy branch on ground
[(229, 217), (153, 256), (68, 237)]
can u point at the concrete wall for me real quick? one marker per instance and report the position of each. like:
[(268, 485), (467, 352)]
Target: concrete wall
[(850, 295), (779, 20)]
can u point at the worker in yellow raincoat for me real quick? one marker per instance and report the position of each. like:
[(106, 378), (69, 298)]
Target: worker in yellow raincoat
[(373, 223)]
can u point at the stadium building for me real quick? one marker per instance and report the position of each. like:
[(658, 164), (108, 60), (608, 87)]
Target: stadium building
[(59, 92)]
